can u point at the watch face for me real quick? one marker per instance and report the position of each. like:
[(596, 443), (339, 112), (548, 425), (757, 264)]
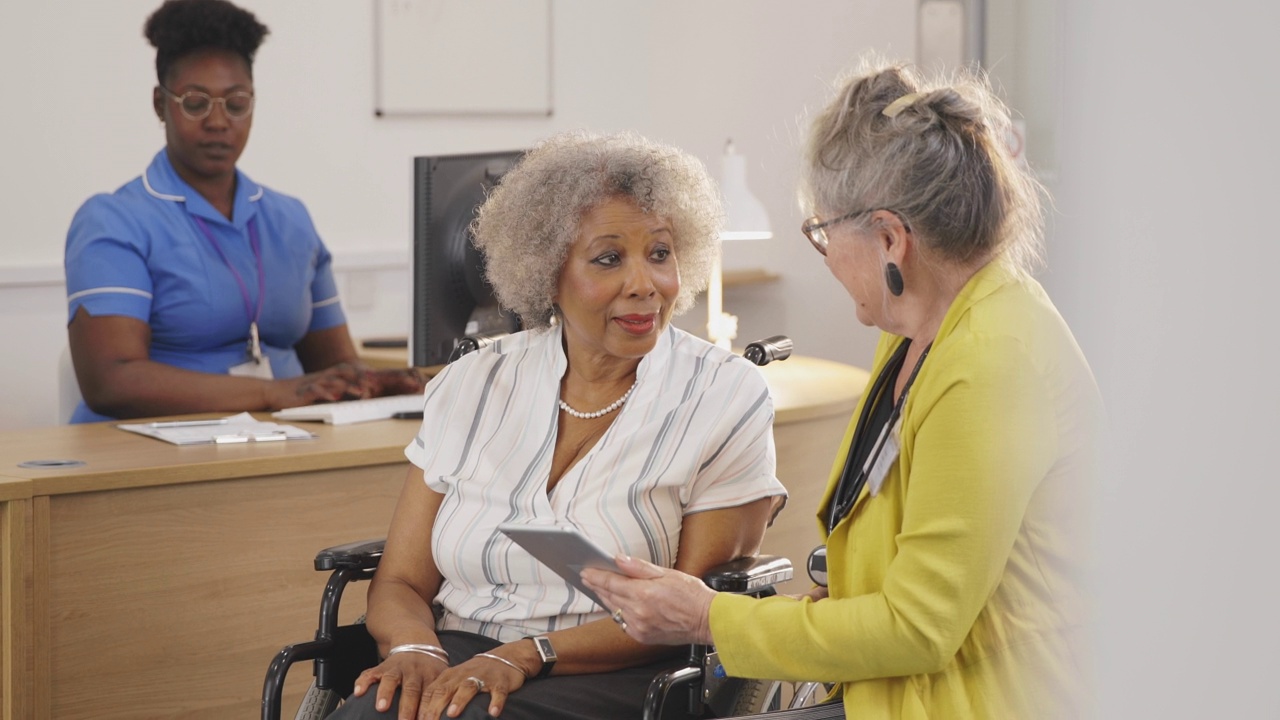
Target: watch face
[(547, 652)]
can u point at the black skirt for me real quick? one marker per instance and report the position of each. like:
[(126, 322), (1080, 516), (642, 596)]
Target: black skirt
[(617, 695)]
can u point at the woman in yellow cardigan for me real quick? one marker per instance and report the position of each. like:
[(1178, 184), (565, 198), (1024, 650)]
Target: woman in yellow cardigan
[(952, 518)]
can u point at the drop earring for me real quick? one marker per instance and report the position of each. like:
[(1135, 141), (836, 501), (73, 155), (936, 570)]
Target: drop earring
[(893, 278)]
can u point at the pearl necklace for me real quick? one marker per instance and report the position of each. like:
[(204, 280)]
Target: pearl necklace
[(600, 413)]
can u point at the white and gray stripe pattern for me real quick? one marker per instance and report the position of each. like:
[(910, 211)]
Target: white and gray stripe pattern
[(696, 435)]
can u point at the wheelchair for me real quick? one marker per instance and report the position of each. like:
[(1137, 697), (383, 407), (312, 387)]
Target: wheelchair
[(340, 653)]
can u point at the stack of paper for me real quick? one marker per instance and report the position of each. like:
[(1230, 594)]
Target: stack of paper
[(240, 428)]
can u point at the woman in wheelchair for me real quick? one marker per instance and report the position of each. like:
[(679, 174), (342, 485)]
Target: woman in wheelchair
[(952, 519), (599, 415)]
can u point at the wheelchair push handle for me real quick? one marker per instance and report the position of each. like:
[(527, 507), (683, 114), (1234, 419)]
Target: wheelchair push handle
[(471, 343), (749, 574), (763, 352)]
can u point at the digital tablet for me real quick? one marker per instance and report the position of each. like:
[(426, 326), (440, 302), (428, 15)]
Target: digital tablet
[(564, 549)]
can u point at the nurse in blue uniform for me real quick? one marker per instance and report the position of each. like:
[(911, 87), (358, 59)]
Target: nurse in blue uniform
[(193, 288)]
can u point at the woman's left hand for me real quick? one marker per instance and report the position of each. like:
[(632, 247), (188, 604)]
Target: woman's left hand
[(654, 605), (450, 692), (394, 382), (369, 383)]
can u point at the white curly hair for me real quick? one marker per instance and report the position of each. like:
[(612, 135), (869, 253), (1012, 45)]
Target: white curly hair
[(525, 226)]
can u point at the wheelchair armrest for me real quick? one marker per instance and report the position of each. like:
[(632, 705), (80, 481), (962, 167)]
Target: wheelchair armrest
[(749, 574), (359, 555)]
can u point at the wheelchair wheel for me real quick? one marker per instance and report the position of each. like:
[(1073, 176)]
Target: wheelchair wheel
[(757, 696), (317, 704), (808, 694)]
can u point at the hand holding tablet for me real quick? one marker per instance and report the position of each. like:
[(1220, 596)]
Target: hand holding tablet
[(564, 549)]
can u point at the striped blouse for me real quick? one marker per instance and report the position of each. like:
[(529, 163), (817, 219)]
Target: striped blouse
[(696, 435)]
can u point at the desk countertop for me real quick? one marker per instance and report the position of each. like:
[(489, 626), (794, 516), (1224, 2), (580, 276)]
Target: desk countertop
[(806, 388), (115, 459), (803, 388)]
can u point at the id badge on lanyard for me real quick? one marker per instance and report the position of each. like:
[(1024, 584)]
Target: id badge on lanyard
[(256, 364), (884, 452), (889, 449)]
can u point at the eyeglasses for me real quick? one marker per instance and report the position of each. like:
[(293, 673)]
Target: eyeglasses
[(814, 229), (197, 105)]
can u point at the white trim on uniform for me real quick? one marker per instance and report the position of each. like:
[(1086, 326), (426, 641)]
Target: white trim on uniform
[(146, 183), (110, 289)]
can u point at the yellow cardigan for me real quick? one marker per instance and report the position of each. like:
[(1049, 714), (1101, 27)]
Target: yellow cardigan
[(954, 592)]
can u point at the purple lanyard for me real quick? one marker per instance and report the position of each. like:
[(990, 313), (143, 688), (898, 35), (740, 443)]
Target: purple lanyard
[(254, 314)]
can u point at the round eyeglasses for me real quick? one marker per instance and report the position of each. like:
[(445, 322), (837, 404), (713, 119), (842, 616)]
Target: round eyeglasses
[(196, 105), (815, 229)]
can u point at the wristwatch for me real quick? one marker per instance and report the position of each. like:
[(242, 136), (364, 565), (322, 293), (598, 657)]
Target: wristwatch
[(546, 652)]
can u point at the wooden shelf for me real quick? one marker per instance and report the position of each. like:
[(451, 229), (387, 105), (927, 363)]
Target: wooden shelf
[(749, 276)]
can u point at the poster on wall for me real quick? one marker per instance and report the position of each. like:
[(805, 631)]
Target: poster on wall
[(462, 57)]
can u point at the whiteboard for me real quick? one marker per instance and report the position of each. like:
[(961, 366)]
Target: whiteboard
[(468, 57)]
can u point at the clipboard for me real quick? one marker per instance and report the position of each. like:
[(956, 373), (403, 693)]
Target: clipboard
[(231, 430)]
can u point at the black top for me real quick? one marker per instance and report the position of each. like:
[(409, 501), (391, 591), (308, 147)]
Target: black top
[(878, 412)]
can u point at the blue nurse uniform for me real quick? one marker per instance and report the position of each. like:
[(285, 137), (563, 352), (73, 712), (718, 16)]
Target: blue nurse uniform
[(141, 252)]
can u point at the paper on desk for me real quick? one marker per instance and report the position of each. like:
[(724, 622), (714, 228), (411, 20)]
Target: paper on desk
[(240, 428)]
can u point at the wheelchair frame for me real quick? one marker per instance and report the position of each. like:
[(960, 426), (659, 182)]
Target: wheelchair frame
[(340, 653)]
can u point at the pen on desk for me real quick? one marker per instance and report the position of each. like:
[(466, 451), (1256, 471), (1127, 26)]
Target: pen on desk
[(186, 423)]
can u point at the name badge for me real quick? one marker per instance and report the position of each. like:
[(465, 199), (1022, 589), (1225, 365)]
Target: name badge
[(260, 369), (258, 365), (888, 456)]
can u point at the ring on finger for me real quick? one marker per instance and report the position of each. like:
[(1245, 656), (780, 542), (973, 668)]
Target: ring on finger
[(617, 617), (480, 686)]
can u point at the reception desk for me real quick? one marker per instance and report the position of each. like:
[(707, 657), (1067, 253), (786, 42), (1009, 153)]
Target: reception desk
[(157, 581)]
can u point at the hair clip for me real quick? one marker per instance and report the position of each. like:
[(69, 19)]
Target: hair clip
[(902, 103)]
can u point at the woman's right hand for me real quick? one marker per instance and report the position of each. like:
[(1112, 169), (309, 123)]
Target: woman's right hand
[(412, 672), (815, 594), (343, 381)]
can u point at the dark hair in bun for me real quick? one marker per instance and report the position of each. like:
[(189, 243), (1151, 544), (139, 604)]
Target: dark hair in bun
[(180, 27)]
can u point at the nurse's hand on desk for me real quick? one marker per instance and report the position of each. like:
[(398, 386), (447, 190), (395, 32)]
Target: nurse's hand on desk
[(393, 382), (343, 381)]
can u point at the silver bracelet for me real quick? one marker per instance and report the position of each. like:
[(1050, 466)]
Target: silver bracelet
[(434, 651), (504, 661)]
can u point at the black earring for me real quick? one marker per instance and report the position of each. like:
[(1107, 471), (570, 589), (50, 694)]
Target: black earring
[(893, 278)]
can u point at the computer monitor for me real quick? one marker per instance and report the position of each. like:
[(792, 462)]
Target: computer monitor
[(451, 298)]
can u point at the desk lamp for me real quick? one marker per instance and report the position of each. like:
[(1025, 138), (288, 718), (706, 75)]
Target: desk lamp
[(745, 219)]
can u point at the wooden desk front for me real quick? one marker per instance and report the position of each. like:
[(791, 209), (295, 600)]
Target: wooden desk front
[(158, 581)]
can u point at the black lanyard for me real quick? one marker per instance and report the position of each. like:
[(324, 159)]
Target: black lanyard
[(853, 477)]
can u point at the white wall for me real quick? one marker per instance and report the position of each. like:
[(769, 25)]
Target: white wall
[(1168, 159), (691, 74), (1162, 256)]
